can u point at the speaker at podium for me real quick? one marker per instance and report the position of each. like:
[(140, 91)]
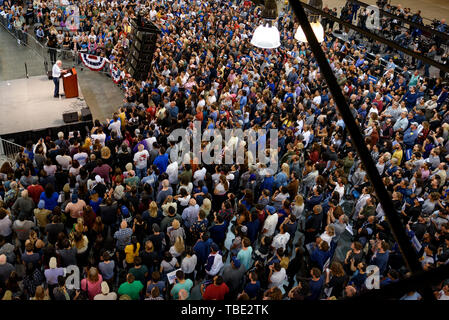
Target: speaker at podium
[(70, 81)]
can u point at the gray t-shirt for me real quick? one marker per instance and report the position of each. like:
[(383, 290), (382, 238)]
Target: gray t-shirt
[(5, 271), (107, 270), (232, 277)]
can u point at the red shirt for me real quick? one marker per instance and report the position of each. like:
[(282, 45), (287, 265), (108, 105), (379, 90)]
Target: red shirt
[(151, 111), (34, 191), (214, 292)]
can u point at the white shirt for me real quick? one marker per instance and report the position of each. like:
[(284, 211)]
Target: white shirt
[(172, 171), (81, 157), (270, 224), (140, 159), (277, 278), (326, 237), (199, 175), (340, 190), (443, 296), (280, 240), (101, 137), (56, 71), (150, 142), (115, 126), (216, 266)]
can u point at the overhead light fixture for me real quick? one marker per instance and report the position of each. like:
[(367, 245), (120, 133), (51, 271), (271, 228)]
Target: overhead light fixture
[(314, 20), (267, 36)]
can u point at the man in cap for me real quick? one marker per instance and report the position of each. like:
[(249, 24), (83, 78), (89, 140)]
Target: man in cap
[(41, 215), (105, 294), (74, 209), (233, 275)]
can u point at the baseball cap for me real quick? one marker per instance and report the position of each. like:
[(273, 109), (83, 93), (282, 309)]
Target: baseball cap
[(125, 211), (214, 246), (104, 287), (41, 204), (271, 209), (236, 262)]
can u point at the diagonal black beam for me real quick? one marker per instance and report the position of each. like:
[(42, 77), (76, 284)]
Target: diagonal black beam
[(373, 36), (408, 252), (411, 23), (414, 282)]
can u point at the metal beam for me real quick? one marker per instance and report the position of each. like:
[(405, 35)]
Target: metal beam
[(373, 36), (408, 252), (419, 280)]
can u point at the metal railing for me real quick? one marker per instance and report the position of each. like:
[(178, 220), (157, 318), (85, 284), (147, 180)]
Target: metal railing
[(9, 149), (39, 47)]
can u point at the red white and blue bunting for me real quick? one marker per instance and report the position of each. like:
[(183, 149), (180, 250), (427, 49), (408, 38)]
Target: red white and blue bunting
[(116, 74), (94, 63)]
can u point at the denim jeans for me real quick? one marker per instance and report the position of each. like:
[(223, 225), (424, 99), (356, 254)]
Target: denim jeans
[(56, 82), (141, 172)]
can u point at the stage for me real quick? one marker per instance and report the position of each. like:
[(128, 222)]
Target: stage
[(29, 105)]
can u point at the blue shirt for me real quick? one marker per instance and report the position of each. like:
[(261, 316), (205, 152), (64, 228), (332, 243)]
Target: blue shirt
[(315, 289), (202, 250), (50, 203), (252, 290), (161, 162), (218, 232), (381, 261)]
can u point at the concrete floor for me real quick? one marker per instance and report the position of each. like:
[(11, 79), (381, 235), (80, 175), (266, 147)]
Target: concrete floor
[(14, 56), (101, 94), (29, 105)]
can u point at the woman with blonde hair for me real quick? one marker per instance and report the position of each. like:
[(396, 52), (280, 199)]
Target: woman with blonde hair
[(80, 242), (152, 210), (79, 226), (206, 206), (281, 179), (92, 283), (40, 294), (178, 247), (298, 210), (167, 204), (328, 234), (87, 143)]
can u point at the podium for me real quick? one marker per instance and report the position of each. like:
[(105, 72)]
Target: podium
[(70, 81)]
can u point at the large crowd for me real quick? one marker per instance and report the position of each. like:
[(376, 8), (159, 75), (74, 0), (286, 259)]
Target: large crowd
[(137, 225)]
